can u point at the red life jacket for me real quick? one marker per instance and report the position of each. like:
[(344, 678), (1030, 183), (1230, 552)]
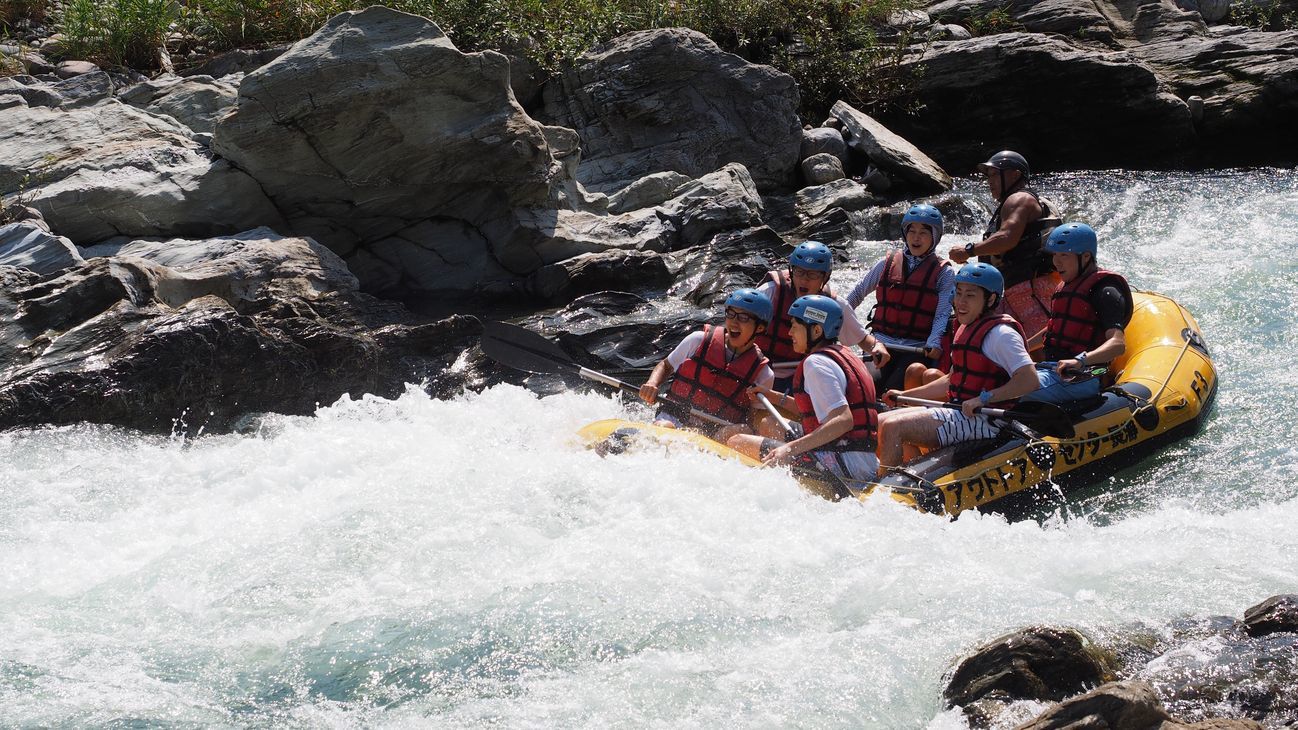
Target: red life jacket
[(972, 372), (707, 382), (1074, 323), (860, 399), (907, 303), (776, 341)]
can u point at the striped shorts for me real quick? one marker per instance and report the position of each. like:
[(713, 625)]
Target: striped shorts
[(955, 427)]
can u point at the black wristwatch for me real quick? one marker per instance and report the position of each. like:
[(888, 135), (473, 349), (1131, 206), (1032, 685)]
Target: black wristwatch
[(969, 247)]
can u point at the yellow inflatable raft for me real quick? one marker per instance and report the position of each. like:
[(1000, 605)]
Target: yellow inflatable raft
[(1164, 387)]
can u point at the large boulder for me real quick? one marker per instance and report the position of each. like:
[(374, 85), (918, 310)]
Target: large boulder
[(1275, 614), (1040, 662), (1123, 706), (196, 102), (110, 169), (377, 125), (670, 99), (1060, 105), (200, 333), (29, 245), (890, 153)]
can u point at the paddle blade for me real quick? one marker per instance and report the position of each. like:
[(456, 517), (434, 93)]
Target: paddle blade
[(523, 349), (1046, 418)]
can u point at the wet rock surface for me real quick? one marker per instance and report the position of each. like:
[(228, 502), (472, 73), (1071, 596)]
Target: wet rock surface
[(196, 334)]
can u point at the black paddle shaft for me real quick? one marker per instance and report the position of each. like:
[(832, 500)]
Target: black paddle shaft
[(1045, 418), (523, 349)]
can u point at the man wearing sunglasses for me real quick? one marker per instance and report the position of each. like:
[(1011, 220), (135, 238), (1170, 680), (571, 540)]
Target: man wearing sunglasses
[(712, 369)]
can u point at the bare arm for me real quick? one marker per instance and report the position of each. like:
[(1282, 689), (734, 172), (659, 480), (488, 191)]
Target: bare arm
[(1113, 347), (649, 391), (1020, 209)]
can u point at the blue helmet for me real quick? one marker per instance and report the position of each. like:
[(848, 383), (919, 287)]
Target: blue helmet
[(983, 275), (818, 309), (1077, 238), (752, 301), (812, 255), (926, 214)]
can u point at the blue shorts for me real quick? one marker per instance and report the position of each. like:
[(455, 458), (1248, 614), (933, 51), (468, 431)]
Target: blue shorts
[(1055, 389)]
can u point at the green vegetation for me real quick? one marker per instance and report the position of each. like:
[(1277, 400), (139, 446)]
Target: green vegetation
[(997, 20), (1263, 15), (832, 47)]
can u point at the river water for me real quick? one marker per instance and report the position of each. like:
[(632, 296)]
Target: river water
[(463, 563)]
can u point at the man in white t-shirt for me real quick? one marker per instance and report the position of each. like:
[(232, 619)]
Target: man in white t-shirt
[(712, 370), (834, 394), (989, 366)]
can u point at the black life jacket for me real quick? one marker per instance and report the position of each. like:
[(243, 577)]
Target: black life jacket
[(1026, 260), (860, 400), (711, 384), (907, 302)]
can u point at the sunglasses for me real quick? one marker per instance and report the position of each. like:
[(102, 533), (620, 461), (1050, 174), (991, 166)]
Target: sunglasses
[(740, 317)]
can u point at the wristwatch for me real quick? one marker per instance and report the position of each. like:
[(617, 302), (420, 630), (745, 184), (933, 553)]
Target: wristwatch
[(1081, 359), (969, 248), (985, 397)]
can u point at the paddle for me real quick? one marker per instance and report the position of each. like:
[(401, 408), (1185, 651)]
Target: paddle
[(523, 349), (1045, 418), (789, 435)]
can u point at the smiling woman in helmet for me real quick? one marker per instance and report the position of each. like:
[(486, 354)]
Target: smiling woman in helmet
[(989, 366), (913, 288), (834, 395), (712, 369)]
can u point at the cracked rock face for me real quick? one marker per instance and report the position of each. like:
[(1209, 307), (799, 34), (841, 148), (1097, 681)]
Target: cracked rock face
[(377, 135), (109, 170)]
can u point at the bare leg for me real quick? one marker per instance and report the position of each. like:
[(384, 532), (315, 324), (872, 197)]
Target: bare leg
[(904, 426), (746, 444)]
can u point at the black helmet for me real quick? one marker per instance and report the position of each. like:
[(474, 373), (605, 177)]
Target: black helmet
[(1006, 160)]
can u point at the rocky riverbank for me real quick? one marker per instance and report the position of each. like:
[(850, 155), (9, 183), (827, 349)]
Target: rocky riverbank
[(1200, 670)]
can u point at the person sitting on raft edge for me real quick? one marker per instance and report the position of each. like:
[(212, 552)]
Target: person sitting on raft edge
[(989, 367), (835, 397), (1012, 242), (1089, 314), (713, 368), (810, 266), (913, 290)]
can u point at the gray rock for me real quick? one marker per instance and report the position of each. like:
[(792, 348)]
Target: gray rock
[(238, 61), (195, 335), (820, 140), (8, 101), (28, 245), (949, 32), (1277, 613), (1042, 663), (1246, 80), (195, 101), (1122, 706), (890, 152), (648, 191), (822, 169), (108, 170), (620, 270), (731, 260), (33, 94), (669, 99), (377, 123), (68, 69), (849, 195), (85, 89), (1212, 11)]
